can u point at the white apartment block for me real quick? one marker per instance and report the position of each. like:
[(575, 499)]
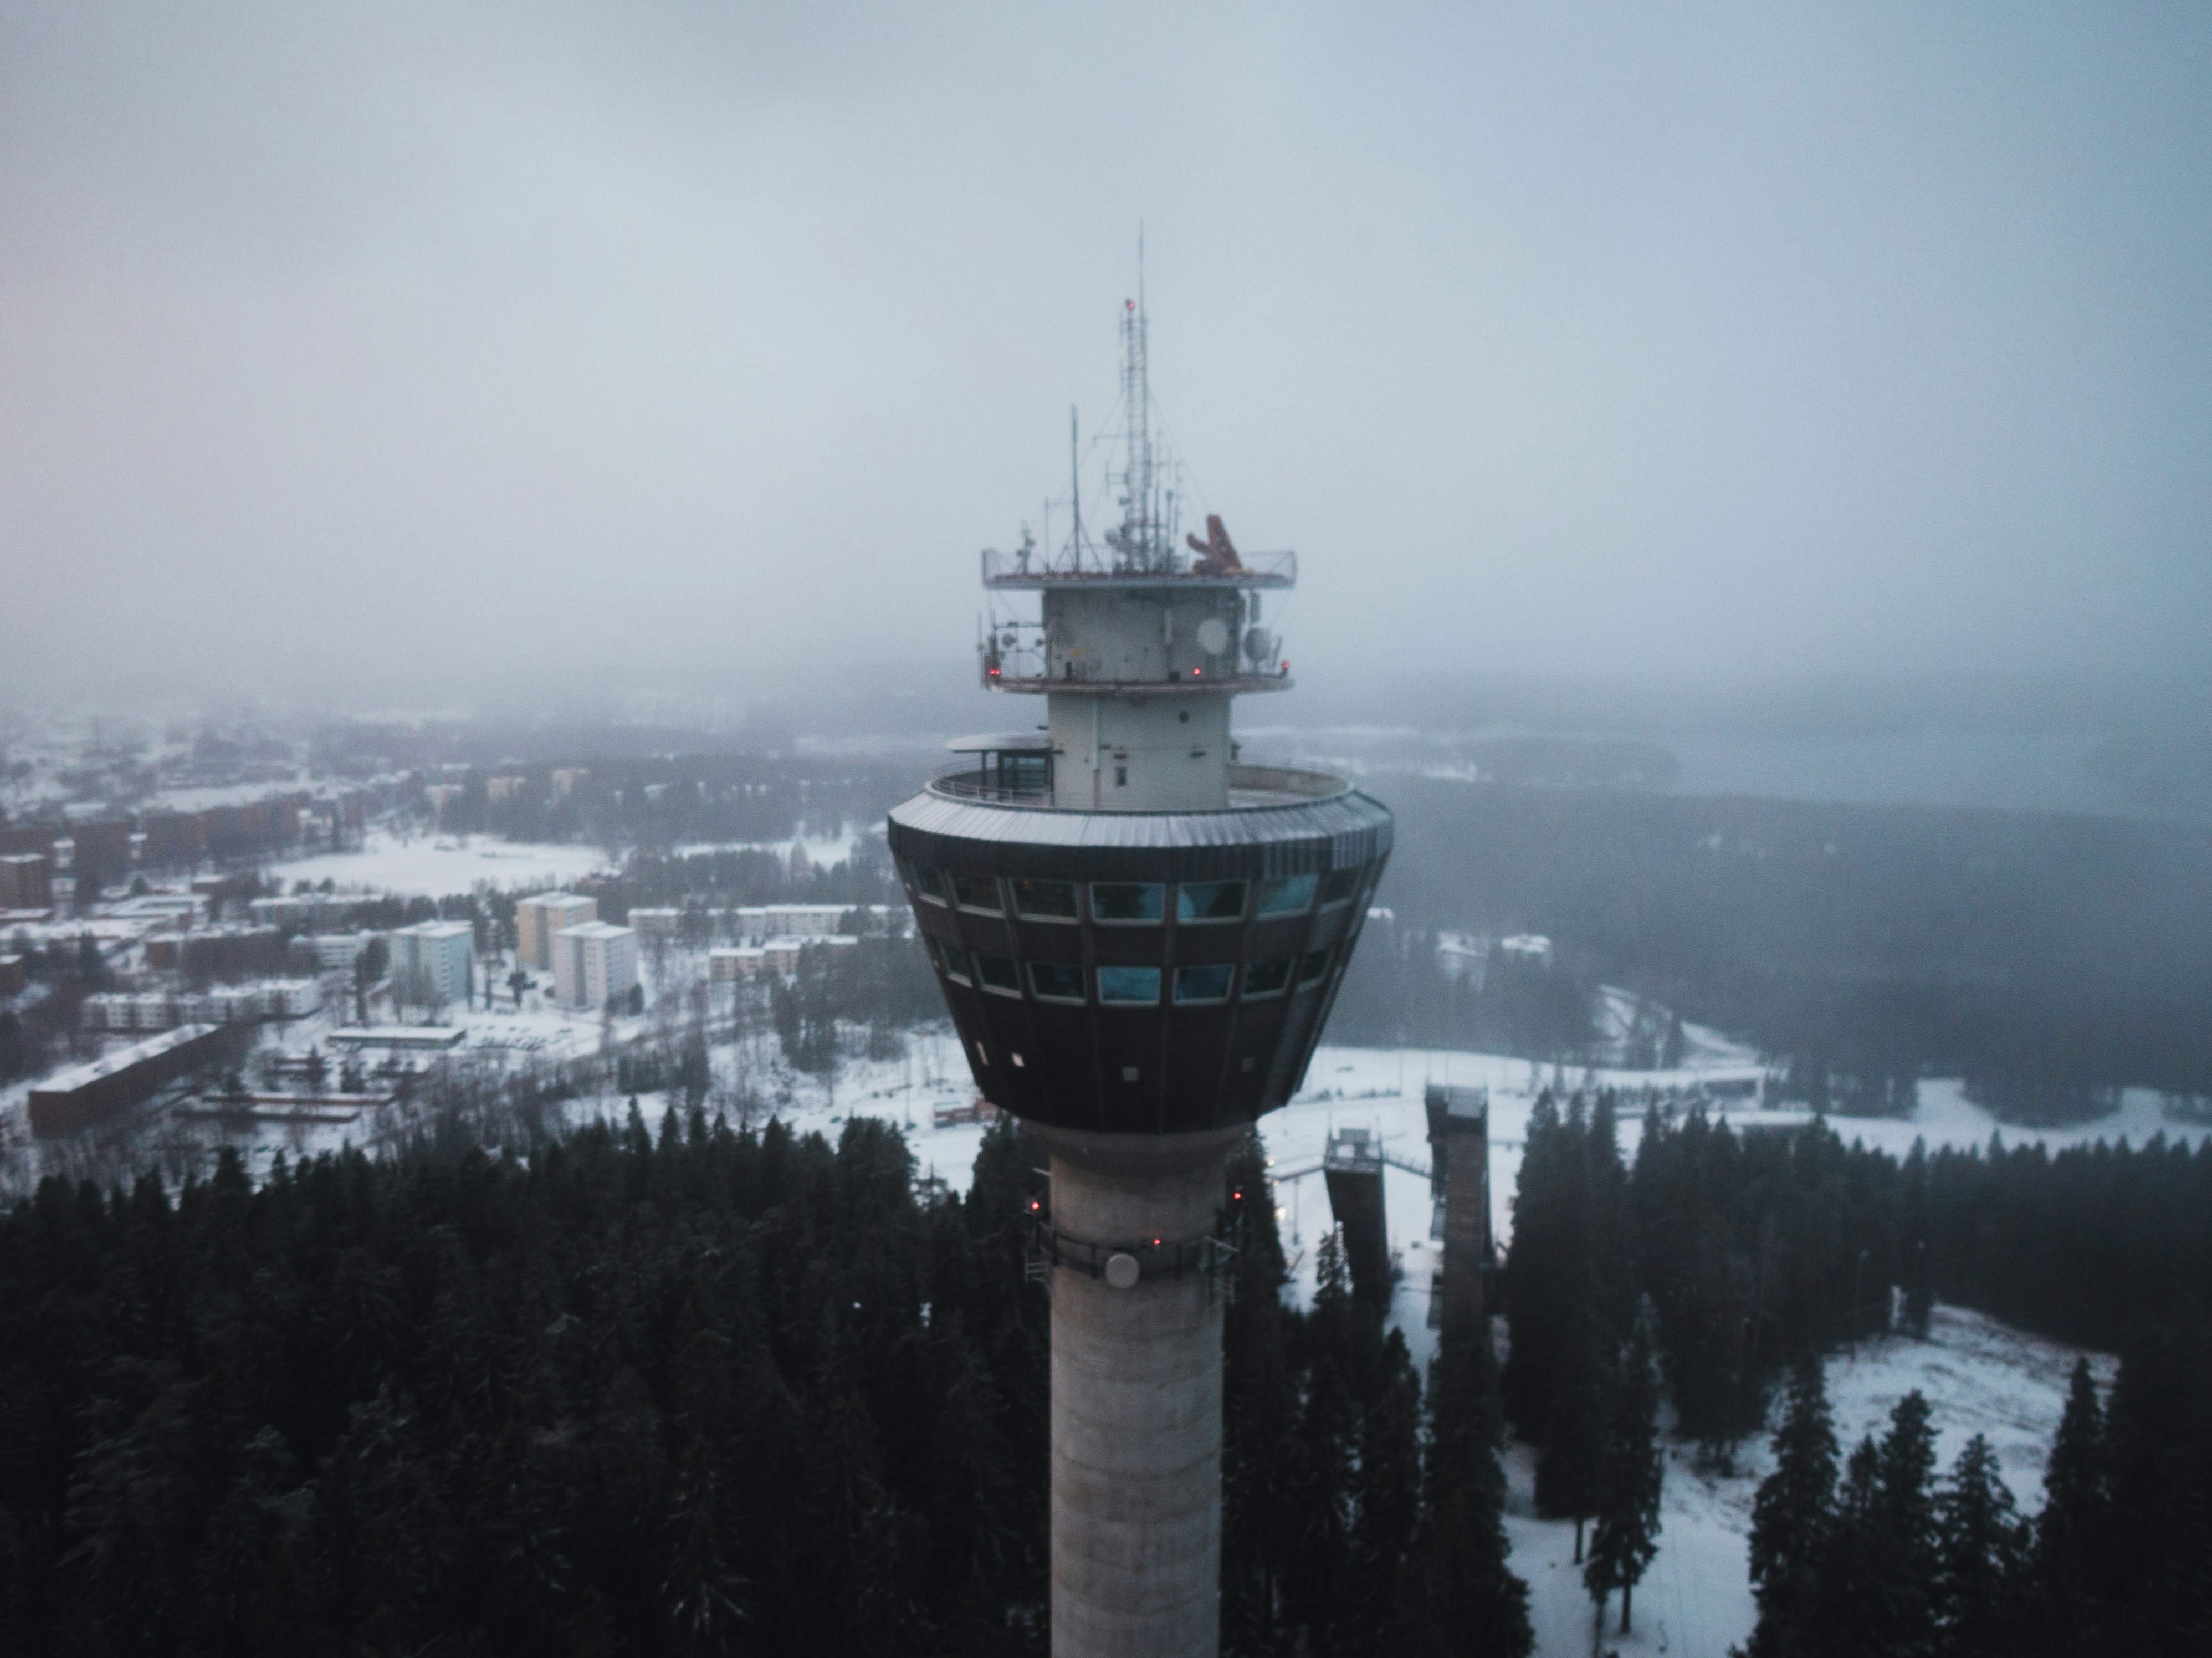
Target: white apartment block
[(538, 919), (755, 923), (592, 963), (434, 962), (326, 952), (150, 1011), (728, 963), (309, 912)]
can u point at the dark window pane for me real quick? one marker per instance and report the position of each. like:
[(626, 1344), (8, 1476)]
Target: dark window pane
[(1052, 901), (929, 883), (1202, 984), (1129, 984), (1057, 980), (1210, 900), (977, 892), (998, 972), (1127, 901), (1287, 895), (956, 960), (1340, 886), (1315, 968), (1265, 978)]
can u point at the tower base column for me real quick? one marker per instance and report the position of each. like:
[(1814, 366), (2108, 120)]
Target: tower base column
[(1136, 1403)]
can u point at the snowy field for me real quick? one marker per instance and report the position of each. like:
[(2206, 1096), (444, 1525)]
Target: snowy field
[(436, 866), (439, 865), (820, 853)]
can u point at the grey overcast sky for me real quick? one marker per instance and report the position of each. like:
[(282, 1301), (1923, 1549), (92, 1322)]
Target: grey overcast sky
[(447, 353)]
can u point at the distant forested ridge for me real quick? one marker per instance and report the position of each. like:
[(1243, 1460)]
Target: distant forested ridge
[(2044, 958)]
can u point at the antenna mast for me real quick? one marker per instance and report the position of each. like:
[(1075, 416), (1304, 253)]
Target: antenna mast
[(1075, 489), (1143, 545)]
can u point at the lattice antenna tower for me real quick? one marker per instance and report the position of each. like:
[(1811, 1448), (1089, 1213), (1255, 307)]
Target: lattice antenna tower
[(1145, 542)]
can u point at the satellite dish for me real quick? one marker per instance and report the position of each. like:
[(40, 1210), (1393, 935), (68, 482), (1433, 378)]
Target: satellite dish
[(1213, 635), (1006, 639), (1122, 1271), (1258, 644)]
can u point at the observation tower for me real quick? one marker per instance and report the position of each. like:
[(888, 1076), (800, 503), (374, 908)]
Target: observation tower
[(1139, 939)]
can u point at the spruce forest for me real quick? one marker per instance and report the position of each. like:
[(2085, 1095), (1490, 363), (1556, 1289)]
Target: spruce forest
[(710, 1392), (721, 1391)]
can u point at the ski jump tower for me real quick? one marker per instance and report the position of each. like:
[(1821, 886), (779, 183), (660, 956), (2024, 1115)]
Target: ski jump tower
[(1138, 940)]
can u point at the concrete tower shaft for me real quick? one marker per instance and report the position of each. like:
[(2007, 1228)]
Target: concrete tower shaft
[(1136, 1396)]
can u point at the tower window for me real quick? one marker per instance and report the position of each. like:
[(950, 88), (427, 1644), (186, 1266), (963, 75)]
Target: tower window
[(1129, 985), (1203, 984), (978, 892), (1268, 978), (1045, 900), (1287, 895), (1120, 777), (997, 973), (1056, 981), (1127, 901), (955, 960), (1210, 900), (1340, 886), (1315, 969)]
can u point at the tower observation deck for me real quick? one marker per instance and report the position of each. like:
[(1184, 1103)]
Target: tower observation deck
[(1139, 939)]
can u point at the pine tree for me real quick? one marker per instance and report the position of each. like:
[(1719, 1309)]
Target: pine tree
[(1577, 1325), (1981, 1547), (1571, 1468), (1907, 1532), (1321, 1456), (1534, 1294), (1842, 1609), (1627, 1532), (705, 1596), (1260, 1406), (1919, 1285), (1387, 1497), (1792, 1516), (2076, 1501), (1875, 1592), (2158, 1458), (1462, 1600)]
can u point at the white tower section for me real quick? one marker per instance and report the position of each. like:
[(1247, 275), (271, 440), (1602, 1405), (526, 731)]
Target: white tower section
[(1142, 638)]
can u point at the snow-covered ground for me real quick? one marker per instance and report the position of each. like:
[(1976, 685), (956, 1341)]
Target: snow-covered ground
[(821, 854), (436, 866), (1695, 1601)]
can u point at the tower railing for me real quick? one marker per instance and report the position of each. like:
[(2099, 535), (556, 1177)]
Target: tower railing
[(1066, 568), (1250, 787)]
